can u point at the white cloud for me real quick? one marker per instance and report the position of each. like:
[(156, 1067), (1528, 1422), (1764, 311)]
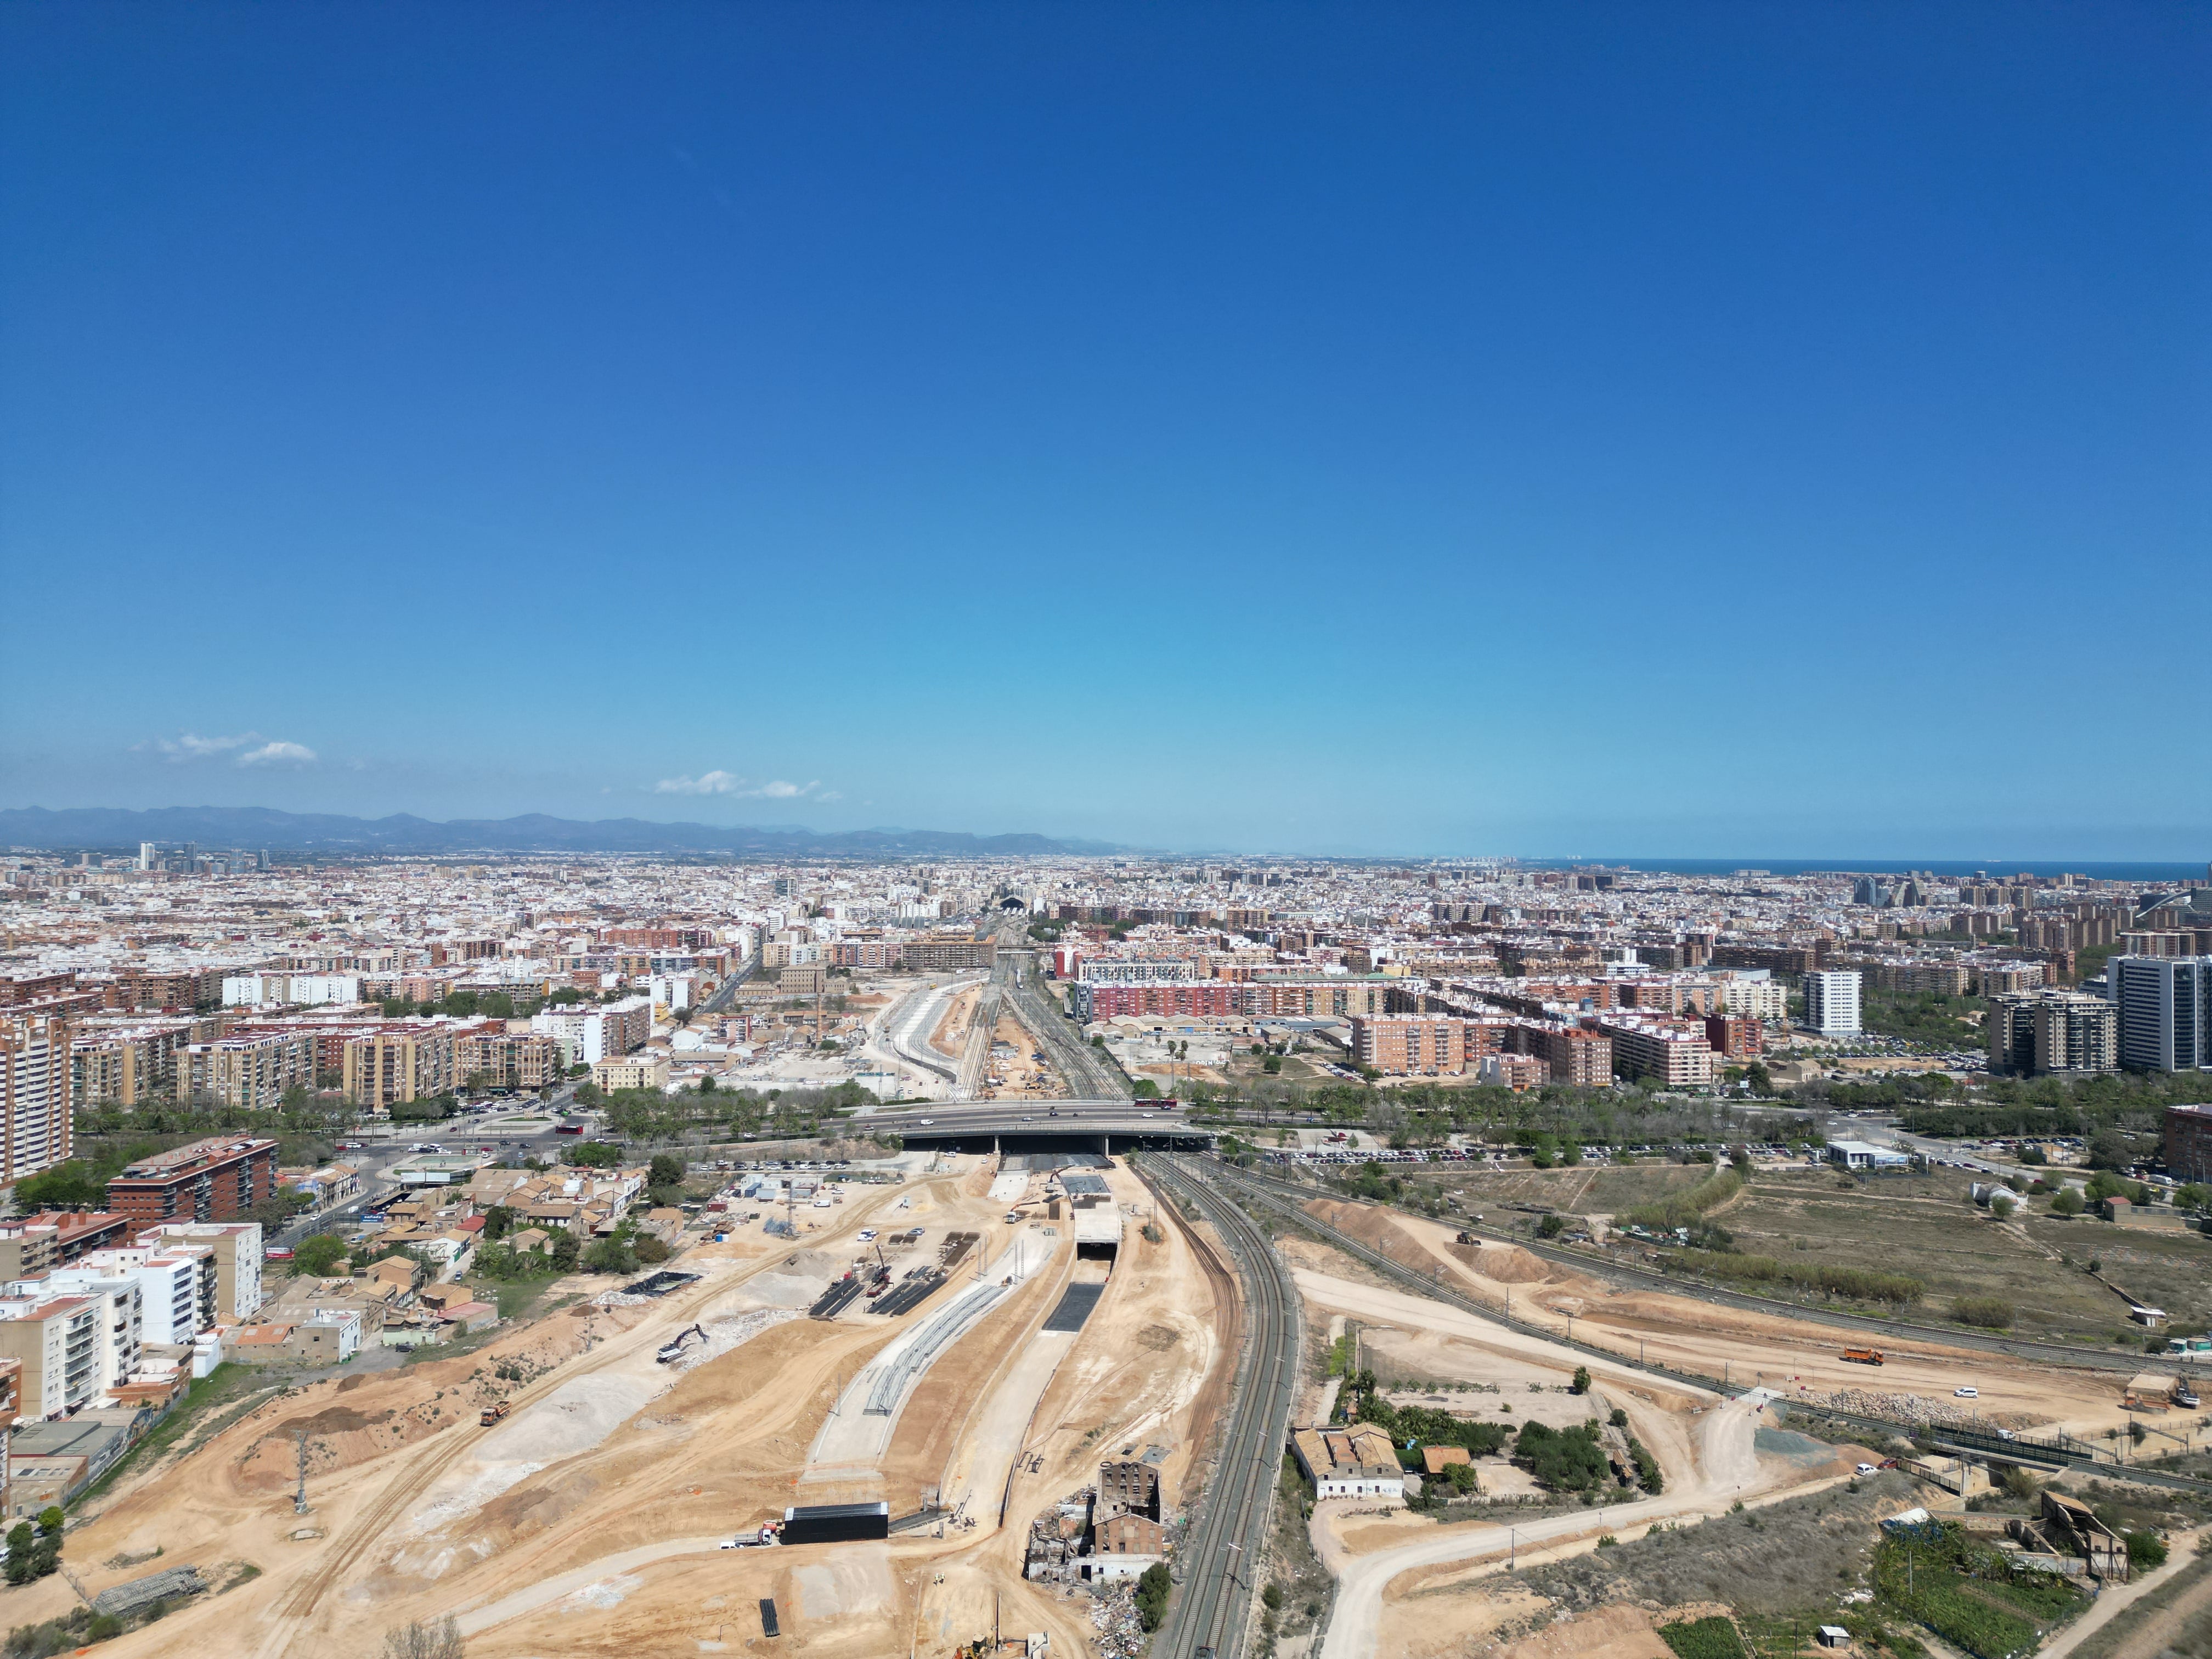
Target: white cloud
[(278, 754), (728, 783), (191, 746), (707, 783)]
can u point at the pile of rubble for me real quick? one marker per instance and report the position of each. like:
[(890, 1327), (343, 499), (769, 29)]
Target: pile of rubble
[(1121, 1632)]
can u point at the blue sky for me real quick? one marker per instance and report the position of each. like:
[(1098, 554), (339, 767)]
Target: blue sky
[(1598, 429)]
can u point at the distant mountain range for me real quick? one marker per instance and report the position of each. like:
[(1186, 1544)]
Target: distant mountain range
[(105, 828)]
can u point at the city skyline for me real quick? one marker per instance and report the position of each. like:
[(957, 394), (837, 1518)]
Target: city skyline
[(1389, 432)]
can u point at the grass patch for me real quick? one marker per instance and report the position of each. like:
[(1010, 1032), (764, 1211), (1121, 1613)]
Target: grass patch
[(1704, 1639), (1687, 1209)]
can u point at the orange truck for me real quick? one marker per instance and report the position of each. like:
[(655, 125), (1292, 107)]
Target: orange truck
[(491, 1414), (1864, 1356)]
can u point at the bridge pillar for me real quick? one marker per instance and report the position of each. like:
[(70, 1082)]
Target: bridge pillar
[(1106, 1145)]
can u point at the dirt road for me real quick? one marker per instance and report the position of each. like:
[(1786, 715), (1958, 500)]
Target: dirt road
[(1730, 1473)]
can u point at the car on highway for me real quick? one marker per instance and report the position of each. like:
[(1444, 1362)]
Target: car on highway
[(929, 1120)]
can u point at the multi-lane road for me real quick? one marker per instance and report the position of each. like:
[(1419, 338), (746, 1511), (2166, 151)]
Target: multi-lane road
[(1227, 1549)]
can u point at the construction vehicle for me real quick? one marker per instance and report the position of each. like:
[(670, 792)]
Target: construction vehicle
[(491, 1414), (1864, 1356), (672, 1351)]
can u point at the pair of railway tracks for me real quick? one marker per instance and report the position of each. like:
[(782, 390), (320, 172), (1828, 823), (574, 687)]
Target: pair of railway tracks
[(1225, 1550)]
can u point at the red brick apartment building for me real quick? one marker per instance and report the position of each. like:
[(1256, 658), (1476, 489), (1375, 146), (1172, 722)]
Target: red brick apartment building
[(219, 1179), (1735, 1037), (2189, 1142), (1410, 1045)]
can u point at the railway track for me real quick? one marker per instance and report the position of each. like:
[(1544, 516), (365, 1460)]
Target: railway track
[(1286, 1200), (1222, 1557), (1864, 1325)]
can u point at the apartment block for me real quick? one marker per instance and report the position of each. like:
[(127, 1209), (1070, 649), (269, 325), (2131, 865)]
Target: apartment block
[(56, 1339), (2033, 1033), (218, 1179), (1218, 998), (2164, 1009), (648, 1071), (177, 1288), (2189, 1142), (507, 1060), (1832, 1003), (592, 1034), (1518, 1073), (249, 1071), (1574, 1054), (125, 1065), (1736, 1036), (1669, 1051), (1410, 1045), (937, 952), (235, 1247), (399, 1063), (35, 1119)]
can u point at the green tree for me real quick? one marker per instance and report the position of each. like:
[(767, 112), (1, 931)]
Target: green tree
[(1153, 1588), (594, 1155), (566, 1251), (2066, 1201), (667, 1170), (1761, 1079), (499, 1222), (649, 1250), (1581, 1384), (318, 1255), (71, 1185), (609, 1255), (1551, 1226)]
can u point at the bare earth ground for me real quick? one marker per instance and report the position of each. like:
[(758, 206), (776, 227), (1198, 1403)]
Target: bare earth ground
[(1795, 1359), (1924, 1221), (587, 1522), (1391, 1567)]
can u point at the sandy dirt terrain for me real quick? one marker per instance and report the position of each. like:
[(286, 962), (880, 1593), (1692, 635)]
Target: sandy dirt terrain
[(1795, 1359), (1704, 1445), (590, 1520)]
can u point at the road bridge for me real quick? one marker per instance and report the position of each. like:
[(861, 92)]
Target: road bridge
[(1106, 1125)]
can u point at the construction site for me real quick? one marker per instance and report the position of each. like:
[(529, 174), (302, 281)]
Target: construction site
[(968, 1408)]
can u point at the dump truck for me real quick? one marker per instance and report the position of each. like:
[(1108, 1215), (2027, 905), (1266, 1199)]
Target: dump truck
[(491, 1414), (1864, 1356)]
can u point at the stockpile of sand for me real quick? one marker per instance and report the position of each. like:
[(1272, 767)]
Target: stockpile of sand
[(574, 1418), (1506, 1264)]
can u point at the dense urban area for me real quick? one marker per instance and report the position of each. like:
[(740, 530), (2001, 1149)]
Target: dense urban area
[(516, 1254)]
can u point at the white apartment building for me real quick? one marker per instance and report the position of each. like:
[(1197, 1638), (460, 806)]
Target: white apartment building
[(176, 1288), (2165, 1012), (1763, 1000), (122, 1312), (1832, 1003), (279, 990), (58, 1340), (236, 1248), (595, 1034)]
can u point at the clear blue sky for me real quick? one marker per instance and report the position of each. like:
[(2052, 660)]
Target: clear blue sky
[(1773, 429)]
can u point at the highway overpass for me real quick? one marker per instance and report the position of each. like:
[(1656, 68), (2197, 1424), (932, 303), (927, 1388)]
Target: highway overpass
[(1038, 1126)]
